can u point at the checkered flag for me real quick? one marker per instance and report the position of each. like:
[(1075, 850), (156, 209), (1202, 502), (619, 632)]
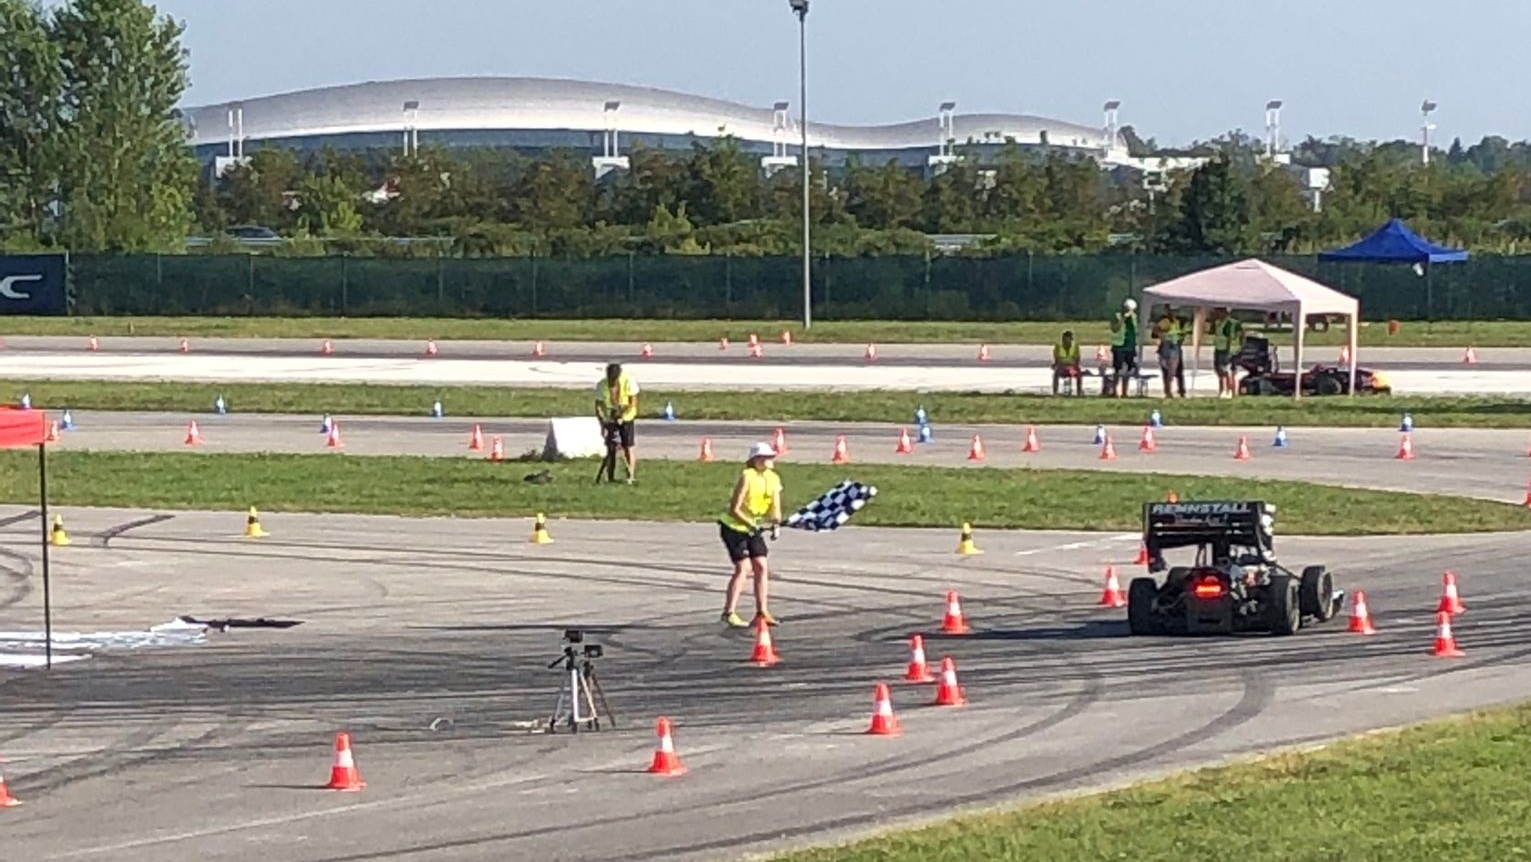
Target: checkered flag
[(833, 508)]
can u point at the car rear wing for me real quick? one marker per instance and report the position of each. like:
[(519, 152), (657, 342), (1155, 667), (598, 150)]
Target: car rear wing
[(1217, 523)]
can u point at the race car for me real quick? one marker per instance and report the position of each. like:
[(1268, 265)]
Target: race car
[(1234, 584), (1263, 375)]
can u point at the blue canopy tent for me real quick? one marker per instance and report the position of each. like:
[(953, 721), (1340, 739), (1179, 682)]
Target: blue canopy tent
[(1395, 243)]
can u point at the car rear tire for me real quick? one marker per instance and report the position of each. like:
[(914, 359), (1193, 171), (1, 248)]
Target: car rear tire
[(1317, 593), (1286, 605), (1141, 594)]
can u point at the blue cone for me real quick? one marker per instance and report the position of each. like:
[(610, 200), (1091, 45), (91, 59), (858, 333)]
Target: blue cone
[(220, 406), (26, 401), (67, 422), (669, 411), (326, 425), (1156, 420), (1100, 435), (1280, 442), (919, 416), (1407, 424), (924, 434), (436, 411)]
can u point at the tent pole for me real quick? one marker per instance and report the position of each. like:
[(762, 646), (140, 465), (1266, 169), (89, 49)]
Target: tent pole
[(42, 492), (1299, 324)]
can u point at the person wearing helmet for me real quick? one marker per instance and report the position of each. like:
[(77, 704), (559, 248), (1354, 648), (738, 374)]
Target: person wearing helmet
[(757, 495), (1124, 345)]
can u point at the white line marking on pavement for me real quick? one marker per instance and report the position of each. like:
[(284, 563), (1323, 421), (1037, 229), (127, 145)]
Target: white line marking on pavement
[(1076, 546)]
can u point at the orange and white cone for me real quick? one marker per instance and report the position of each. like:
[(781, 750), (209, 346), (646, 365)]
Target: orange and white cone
[(842, 451), (1142, 557), (430, 348), (193, 435), (919, 668), (884, 722), (948, 692), (185, 346), (1108, 450), (905, 445), (539, 349), (1470, 356), (754, 340), (327, 348), (975, 451), (93, 345), (722, 344), (6, 799), (1360, 616), (1147, 442), (1100, 353), (756, 351), (706, 454), (497, 449), (765, 651), (983, 353), (666, 761), (1111, 596), (1405, 448), (871, 354), (1451, 602), (1344, 356), (648, 351), (1033, 444), (786, 337), (1445, 641), (955, 622), (344, 775), (332, 440), (779, 441), (476, 439), (1241, 452)]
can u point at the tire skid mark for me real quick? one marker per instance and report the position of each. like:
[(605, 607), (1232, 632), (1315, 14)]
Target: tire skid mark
[(104, 537)]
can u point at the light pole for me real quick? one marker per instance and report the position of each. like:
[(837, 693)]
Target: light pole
[(1425, 109), (801, 8)]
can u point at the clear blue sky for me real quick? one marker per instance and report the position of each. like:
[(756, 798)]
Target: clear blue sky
[(1184, 69)]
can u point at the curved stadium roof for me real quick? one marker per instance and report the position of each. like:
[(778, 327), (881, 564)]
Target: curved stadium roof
[(475, 104)]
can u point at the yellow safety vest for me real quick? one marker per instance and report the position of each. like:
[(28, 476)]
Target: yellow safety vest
[(1227, 330), (1171, 331), (618, 396), (761, 488), (1066, 355)]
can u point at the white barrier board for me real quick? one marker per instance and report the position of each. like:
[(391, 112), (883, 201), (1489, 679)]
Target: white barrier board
[(574, 437)]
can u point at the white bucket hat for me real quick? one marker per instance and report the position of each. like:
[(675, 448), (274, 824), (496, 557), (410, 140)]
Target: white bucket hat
[(761, 450)]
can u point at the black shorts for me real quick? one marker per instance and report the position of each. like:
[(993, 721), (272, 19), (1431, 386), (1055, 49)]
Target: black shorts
[(742, 546), (1222, 361), (1124, 360), (623, 431)]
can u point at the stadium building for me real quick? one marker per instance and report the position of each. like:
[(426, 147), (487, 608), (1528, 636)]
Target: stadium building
[(536, 116)]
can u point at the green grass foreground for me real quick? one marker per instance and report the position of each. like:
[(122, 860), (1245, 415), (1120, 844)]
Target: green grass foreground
[(1445, 790), (1496, 333), (874, 406), (695, 492)]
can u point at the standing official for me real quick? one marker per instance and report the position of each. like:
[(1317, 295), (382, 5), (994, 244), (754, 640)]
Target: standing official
[(616, 406), (756, 496)]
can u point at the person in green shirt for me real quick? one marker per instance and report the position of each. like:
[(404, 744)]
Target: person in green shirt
[(1124, 345), (1227, 343), (1171, 331)]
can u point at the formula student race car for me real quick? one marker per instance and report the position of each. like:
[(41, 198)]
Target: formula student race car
[(1235, 583), (1263, 375)]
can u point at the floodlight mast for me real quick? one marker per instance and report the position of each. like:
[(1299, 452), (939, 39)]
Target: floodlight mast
[(1425, 128), (411, 128), (800, 8), (1272, 127), (1112, 126)]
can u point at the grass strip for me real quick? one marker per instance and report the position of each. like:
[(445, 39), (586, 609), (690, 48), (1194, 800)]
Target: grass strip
[(871, 406), (695, 492), (1496, 333), (1443, 790)]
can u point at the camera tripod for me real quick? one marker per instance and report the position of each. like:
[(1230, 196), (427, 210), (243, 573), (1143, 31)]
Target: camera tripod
[(578, 695)]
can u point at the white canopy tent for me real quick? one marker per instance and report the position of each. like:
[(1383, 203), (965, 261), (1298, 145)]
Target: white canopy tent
[(1257, 286)]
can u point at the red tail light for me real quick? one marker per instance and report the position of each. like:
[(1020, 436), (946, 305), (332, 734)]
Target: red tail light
[(1208, 588)]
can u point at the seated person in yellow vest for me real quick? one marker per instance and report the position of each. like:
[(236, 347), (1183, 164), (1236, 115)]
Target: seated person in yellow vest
[(1124, 345), (616, 406), (757, 496), (1171, 331), (1066, 362), (1227, 342)]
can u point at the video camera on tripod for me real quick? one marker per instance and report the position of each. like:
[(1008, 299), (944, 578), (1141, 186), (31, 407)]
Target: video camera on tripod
[(581, 690)]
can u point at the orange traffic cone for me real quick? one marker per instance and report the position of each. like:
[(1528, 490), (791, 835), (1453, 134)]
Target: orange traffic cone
[(1142, 557), (93, 345), (6, 799), (919, 668), (1108, 450), (1344, 356), (905, 446), (476, 439), (948, 692), (884, 723), (871, 353), (430, 348), (1360, 616), (756, 351), (497, 449), (539, 349), (706, 455), (52, 433), (786, 337), (327, 348), (954, 623), (1528, 495), (1033, 444), (193, 436), (333, 441), (1147, 443), (1241, 453), (722, 344), (765, 651), (648, 351), (983, 353), (666, 761), (1171, 497), (1405, 449), (1445, 641), (754, 340), (779, 442), (1451, 603), (1111, 596), (1100, 354), (975, 451), (344, 775), (1470, 357), (185, 346), (842, 451)]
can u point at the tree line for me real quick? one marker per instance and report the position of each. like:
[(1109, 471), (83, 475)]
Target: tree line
[(94, 158)]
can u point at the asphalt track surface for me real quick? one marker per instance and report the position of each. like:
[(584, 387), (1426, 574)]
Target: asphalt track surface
[(1486, 463), (958, 355)]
